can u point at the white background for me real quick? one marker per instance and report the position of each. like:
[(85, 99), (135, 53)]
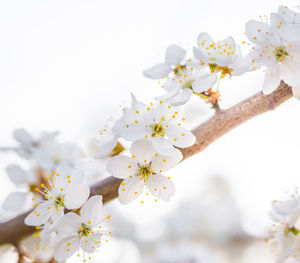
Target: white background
[(68, 65)]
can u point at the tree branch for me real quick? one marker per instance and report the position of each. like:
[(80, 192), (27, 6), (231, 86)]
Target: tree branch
[(222, 122)]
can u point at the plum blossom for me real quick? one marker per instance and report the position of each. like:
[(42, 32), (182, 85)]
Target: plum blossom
[(107, 141), (82, 232), (174, 57), (185, 83), (221, 56), (143, 168), (64, 192), (276, 50), (26, 181), (160, 123), (28, 144), (285, 231), (59, 157)]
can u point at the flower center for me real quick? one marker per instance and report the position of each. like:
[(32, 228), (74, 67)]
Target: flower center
[(188, 85), (280, 53), (157, 129), (84, 230), (56, 159), (145, 171), (293, 230), (59, 201), (179, 68)]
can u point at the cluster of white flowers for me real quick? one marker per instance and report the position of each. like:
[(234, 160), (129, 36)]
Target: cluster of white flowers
[(286, 228), (155, 132)]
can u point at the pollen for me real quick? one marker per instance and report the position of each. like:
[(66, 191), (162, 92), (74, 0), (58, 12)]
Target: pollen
[(129, 166), (136, 121), (175, 139)]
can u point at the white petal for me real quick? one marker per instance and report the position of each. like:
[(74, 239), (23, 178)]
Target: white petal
[(66, 248), (16, 174), (130, 189), (90, 244), (77, 196), (171, 93), (105, 144), (289, 70), (15, 201), (23, 137), (68, 225), (163, 146), (157, 72), (122, 166), (272, 79), (162, 164), (174, 55), (181, 98), (161, 186), (40, 215), (180, 137), (259, 32), (204, 38), (142, 150), (92, 211), (205, 82)]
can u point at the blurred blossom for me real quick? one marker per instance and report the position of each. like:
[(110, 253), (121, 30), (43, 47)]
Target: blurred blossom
[(200, 218), (182, 252), (8, 254)]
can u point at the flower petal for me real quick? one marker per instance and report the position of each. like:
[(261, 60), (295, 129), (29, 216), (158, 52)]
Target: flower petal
[(40, 215), (122, 166), (15, 201), (163, 146), (272, 79), (68, 225), (142, 150), (90, 244), (66, 248), (157, 72), (23, 137), (77, 196), (92, 211), (105, 144), (160, 186), (180, 137), (205, 82), (181, 97), (174, 55), (16, 174), (162, 164), (130, 189)]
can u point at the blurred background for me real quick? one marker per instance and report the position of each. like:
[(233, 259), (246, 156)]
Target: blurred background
[(69, 65)]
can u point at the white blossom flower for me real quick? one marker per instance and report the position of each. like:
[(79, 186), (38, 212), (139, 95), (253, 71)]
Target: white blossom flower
[(187, 81), (29, 144), (81, 232), (280, 56), (108, 138), (174, 57), (144, 168), (286, 229), (221, 56), (25, 180), (65, 192), (58, 157), (160, 123)]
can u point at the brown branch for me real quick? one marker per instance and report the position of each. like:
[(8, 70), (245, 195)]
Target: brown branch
[(222, 122)]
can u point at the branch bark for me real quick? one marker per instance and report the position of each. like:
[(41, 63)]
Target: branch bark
[(206, 133)]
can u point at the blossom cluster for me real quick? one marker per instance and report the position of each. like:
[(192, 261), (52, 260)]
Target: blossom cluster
[(57, 182)]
